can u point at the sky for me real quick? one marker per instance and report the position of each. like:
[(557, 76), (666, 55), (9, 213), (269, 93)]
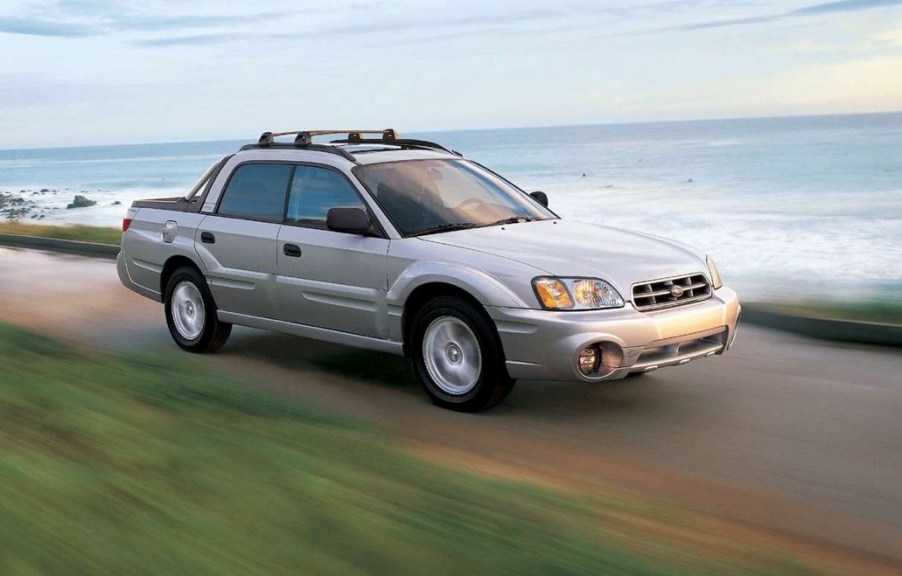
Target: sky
[(89, 72)]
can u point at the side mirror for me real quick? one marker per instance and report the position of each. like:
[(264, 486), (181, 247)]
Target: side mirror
[(350, 220), (540, 197)]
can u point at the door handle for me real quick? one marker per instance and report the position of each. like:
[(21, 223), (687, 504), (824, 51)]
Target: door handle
[(207, 238), (292, 250)]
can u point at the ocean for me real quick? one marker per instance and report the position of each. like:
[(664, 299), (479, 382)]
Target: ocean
[(797, 208)]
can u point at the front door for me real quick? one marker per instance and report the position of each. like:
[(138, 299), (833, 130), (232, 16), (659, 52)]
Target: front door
[(329, 279)]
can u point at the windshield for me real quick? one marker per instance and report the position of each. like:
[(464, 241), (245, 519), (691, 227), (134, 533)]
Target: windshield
[(427, 196)]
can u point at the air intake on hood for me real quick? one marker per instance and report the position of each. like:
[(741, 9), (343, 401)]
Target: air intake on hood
[(670, 292)]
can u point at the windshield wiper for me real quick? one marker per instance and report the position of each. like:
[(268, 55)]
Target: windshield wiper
[(513, 220), (451, 227)]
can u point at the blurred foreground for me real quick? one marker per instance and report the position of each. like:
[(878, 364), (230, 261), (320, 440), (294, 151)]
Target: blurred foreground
[(148, 464)]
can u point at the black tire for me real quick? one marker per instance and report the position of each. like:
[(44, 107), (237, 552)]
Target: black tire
[(492, 382), (212, 333)]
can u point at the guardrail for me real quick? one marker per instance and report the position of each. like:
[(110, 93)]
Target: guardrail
[(94, 249), (823, 328)]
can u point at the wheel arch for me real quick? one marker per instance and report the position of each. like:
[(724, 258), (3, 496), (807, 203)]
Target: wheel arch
[(423, 281), (172, 264), (423, 294)]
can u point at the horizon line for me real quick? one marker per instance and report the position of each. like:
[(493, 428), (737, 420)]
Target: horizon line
[(455, 130)]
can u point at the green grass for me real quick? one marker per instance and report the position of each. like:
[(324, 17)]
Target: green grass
[(76, 232), (147, 464)]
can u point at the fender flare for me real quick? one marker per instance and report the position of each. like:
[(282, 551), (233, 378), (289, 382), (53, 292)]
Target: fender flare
[(486, 289)]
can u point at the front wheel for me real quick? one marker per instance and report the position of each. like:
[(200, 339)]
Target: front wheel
[(191, 313), (457, 356)]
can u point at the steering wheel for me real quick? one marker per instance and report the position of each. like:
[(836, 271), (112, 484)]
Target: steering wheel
[(471, 204)]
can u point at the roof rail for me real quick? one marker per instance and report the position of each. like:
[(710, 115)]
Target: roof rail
[(402, 142), (315, 147)]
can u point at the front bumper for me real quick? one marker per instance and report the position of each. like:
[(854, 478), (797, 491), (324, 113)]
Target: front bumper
[(544, 345)]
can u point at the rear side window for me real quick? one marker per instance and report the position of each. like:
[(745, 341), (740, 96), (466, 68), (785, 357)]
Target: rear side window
[(314, 191), (257, 192)]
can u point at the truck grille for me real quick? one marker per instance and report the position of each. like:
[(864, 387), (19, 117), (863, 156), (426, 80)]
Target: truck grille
[(670, 292)]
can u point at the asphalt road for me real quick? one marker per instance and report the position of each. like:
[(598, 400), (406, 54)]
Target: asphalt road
[(796, 436)]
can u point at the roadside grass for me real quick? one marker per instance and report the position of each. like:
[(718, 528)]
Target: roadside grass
[(149, 464), (76, 232)]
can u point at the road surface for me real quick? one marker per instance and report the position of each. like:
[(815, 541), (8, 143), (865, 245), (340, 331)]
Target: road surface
[(799, 437)]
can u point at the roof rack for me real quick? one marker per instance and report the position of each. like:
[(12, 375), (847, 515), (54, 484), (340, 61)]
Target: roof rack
[(304, 139)]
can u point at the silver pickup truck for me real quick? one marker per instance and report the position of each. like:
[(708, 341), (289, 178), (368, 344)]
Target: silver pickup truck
[(405, 247)]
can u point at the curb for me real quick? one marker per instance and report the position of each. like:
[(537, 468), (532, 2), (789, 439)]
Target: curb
[(93, 249), (824, 328)]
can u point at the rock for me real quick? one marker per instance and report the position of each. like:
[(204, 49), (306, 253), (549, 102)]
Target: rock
[(116, 203), (81, 202), (44, 190)]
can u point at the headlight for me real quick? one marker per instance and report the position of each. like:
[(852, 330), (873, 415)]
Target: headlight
[(576, 294), (716, 281)]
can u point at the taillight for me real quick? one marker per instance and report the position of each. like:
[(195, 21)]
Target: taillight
[(129, 216)]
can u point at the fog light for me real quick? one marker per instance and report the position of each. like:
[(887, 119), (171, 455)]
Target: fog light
[(589, 359)]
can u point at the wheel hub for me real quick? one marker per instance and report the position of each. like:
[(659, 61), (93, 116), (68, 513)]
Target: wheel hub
[(188, 312), (452, 356)]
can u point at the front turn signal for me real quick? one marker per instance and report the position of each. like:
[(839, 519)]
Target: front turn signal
[(553, 294)]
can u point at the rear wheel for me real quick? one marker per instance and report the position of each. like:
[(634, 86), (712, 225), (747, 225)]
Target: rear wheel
[(457, 356), (191, 313)]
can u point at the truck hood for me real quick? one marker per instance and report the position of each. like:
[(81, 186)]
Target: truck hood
[(571, 248)]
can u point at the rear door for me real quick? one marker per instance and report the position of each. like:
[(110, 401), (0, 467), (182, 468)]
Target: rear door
[(238, 243), (329, 279)]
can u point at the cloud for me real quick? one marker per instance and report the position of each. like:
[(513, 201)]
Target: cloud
[(164, 23), (841, 6), (723, 23), (414, 30), (845, 6), (196, 40), (81, 18), (39, 27), (444, 23)]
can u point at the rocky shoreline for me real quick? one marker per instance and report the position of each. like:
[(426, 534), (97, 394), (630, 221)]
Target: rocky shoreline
[(27, 204)]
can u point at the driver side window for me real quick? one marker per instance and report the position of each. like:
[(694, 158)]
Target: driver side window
[(315, 190)]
